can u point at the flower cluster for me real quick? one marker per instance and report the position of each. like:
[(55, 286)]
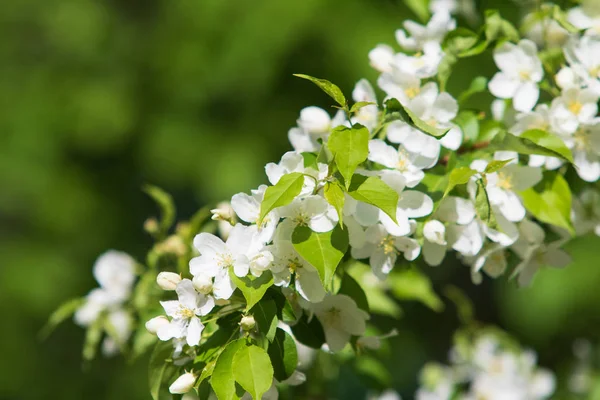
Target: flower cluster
[(396, 185), (488, 366), (105, 307)]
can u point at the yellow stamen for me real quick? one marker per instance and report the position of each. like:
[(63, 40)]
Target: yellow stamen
[(504, 181), (575, 107)]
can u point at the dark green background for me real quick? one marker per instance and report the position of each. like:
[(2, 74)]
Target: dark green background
[(98, 97)]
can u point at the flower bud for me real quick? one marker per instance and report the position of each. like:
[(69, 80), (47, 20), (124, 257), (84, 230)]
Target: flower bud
[(203, 284), (369, 342), (151, 226), (183, 384), (168, 280), (223, 212), (156, 323), (435, 232), (247, 323)]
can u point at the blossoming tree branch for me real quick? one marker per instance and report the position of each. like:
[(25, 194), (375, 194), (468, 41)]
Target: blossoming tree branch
[(237, 305)]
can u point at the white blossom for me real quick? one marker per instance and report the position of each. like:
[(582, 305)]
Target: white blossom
[(184, 314), (294, 162), (574, 107), (422, 65), (436, 109), (535, 253), (419, 35), (314, 125), (341, 318), (586, 212), (247, 208), (520, 72), (502, 187)]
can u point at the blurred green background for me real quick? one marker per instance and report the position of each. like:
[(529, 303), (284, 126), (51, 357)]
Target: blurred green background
[(98, 97)]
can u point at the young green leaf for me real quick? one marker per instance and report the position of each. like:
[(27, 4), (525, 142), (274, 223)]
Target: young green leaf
[(483, 207), (534, 141), (93, 335), (478, 85), (252, 288), (252, 369), (334, 194), (350, 148), (323, 250), (60, 314), (550, 201), (223, 380), (406, 115), (166, 205), (360, 104), (282, 194), (283, 354), (459, 176), (411, 284), (265, 315), (559, 16), (496, 165), (374, 191), (332, 90), (352, 288)]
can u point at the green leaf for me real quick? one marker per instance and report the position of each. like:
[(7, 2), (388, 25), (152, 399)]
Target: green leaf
[(93, 335), (351, 288), (350, 148), (483, 207), (60, 314), (559, 16), (215, 342), (161, 369), (496, 165), (469, 124), (334, 194), (459, 176), (478, 85), (372, 190), (411, 284), (460, 39), (166, 205), (358, 105), (322, 250), (265, 315), (378, 301), (420, 8), (252, 288), (394, 106), (310, 333), (253, 370), (550, 201), (534, 141), (223, 379), (332, 90), (283, 355), (282, 194)]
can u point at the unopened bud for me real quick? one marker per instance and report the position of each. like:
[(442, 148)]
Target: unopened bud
[(173, 244), (223, 212), (168, 280), (247, 323), (183, 384), (435, 232), (203, 284), (156, 323), (151, 226)]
